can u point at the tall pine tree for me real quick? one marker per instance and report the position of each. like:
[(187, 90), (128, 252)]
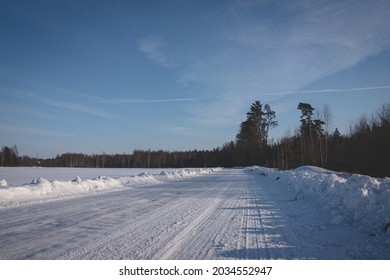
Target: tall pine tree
[(253, 135)]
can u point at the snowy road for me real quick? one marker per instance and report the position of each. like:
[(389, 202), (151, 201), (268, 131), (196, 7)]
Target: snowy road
[(230, 214)]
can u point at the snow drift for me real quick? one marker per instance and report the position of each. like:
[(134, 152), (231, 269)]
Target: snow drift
[(356, 199), (42, 189)]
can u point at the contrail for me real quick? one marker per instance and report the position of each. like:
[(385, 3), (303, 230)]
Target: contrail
[(135, 100), (325, 90)]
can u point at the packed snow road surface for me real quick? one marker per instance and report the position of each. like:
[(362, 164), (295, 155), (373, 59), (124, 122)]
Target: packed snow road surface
[(230, 214)]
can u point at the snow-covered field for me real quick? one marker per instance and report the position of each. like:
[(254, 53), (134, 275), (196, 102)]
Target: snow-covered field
[(247, 213), (22, 175), (27, 185)]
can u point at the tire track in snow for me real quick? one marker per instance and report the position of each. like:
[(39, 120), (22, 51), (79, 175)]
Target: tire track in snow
[(145, 234), (252, 241), (183, 236), (209, 233), (274, 238), (114, 242), (257, 225)]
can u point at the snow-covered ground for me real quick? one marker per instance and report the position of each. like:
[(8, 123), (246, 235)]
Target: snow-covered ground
[(354, 199), (21, 175), (17, 187), (247, 213)]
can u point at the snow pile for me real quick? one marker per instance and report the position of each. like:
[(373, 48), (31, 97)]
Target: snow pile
[(180, 174), (3, 183), (356, 199), (42, 189)]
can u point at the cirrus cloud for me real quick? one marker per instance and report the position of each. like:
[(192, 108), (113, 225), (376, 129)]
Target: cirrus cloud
[(153, 47)]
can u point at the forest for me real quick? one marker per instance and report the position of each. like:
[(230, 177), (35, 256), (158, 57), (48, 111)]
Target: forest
[(365, 149)]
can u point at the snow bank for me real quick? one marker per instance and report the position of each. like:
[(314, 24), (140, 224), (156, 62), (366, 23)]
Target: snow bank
[(3, 183), (356, 199), (42, 189)]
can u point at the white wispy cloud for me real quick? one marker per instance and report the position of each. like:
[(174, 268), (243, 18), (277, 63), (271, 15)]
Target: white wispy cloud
[(82, 109), (29, 130), (58, 102), (270, 48), (21, 110), (154, 48)]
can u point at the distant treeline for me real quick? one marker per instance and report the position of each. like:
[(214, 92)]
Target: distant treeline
[(138, 159), (365, 149)]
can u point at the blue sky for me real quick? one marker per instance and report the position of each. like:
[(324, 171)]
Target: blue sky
[(114, 76)]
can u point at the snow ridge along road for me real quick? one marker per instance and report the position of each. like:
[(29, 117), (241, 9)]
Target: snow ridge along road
[(229, 214)]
